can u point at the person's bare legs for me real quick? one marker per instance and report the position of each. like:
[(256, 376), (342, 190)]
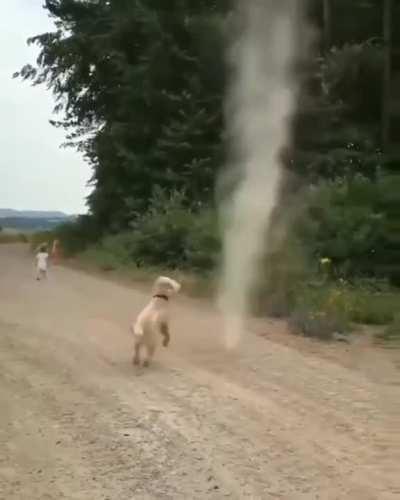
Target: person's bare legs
[(40, 274)]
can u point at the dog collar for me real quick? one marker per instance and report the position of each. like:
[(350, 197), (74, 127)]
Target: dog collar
[(160, 296)]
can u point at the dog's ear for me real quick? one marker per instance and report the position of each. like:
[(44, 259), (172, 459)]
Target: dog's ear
[(164, 280), (158, 283), (161, 280), (175, 285)]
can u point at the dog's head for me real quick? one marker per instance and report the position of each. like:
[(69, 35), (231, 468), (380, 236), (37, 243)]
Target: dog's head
[(166, 286)]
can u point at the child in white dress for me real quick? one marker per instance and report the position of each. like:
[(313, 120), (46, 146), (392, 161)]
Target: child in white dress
[(42, 258)]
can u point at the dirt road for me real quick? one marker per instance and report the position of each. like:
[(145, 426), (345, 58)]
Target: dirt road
[(77, 421)]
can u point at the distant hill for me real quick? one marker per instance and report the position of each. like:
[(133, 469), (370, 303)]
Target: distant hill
[(31, 220), (34, 214)]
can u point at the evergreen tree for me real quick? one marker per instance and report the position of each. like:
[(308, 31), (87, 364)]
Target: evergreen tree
[(140, 84)]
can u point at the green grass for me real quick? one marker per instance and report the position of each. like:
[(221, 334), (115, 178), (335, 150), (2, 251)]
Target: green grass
[(373, 308), (321, 311), (40, 237), (10, 236), (98, 260), (391, 334)]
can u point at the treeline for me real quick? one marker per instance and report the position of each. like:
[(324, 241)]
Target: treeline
[(139, 89), (29, 224)]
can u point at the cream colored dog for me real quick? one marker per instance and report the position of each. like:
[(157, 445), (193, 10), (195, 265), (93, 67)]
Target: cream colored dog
[(153, 320)]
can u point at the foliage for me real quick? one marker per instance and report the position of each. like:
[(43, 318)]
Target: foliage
[(316, 324), (391, 334), (159, 235), (323, 272), (286, 266), (203, 242), (140, 86), (324, 308), (344, 223), (12, 237), (77, 235), (388, 253), (352, 75), (337, 128), (168, 235), (352, 222), (39, 237)]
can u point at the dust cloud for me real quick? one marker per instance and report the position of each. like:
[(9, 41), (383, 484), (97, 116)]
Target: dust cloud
[(260, 105)]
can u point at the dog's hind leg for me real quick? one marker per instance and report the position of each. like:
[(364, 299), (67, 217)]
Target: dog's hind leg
[(164, 330), (150, 348), (136, 354)]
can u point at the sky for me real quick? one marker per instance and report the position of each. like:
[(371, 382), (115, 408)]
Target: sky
[(35, 173)]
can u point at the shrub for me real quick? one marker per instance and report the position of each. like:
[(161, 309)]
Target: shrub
[(203, 242), (102, 259), (352, 73), (76, 236), (286, 266), (391, 334), (119, 246), (159, 236), (172, 235), (11, 237), (317, 324), (168, 235), (372, 309), (327, 306), (343, 223), (40, 237)]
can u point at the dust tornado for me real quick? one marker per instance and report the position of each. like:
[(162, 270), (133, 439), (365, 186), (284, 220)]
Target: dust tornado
[(260, 105)]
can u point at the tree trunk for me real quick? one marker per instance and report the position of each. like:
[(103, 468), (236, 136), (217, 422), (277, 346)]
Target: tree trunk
[(387, 73), (327, 23)]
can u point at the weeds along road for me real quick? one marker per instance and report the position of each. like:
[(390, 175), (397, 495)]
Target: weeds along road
[(77, 421)]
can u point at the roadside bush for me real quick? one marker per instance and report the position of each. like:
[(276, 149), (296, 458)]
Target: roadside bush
[(10, 237), (120, 247), (173, 236), (158, 237), (76, 236), (331, 306), (101, 258), (343, 223), (168, 235), (391, 334), (320, 311), (203, 242), (317, 324), (40, 237), (321, 269), (285, 269), (373, 308)]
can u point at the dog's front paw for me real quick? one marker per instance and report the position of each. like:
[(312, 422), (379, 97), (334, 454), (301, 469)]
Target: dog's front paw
[(165, 342)]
